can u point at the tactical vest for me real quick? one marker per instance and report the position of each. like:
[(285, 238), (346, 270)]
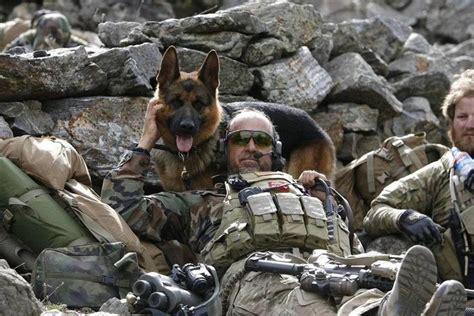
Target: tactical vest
[(271, 212), (459, 237)]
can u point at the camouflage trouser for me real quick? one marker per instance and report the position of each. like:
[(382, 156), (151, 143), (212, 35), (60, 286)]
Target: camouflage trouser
[(258, 293)]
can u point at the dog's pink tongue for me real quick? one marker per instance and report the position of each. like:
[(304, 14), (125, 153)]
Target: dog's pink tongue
[(184, 143)]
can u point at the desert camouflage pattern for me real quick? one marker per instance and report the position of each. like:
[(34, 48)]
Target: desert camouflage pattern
[(84, 275), (426, 191), (189, 217), (259, 293)]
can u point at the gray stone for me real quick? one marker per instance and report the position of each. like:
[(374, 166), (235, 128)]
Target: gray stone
[(290, 24), (416, 112), (27, 117), (297, 81), (235, 78), (355, 118), (129, 69), (100, 128), (65, 72), (376, 9), (348, 150), (356, 82), (385, 36), (112, 34), (453, 21), (431, 85), (16, 296), (5, 130), (116, 306), (321, 47), (417, 43), (332, 124)]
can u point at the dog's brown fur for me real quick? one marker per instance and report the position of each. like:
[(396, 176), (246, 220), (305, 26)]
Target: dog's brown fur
[(193, 98)]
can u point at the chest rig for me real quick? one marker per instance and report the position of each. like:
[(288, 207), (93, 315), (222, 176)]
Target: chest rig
[(462, 227), (269, 211)]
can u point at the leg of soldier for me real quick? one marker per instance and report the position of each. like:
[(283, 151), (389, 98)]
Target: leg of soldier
[(448, 300), (414, 285), (259, 293)]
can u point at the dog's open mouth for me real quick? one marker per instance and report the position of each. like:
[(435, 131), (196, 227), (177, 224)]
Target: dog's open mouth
[(184, 143)]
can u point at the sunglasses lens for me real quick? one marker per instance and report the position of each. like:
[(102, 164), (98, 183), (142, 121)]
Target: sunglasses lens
[(262, 139), (242, 138)]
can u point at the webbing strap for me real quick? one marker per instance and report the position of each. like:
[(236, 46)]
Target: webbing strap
[(407, 155), (370, 173), (26, 197)]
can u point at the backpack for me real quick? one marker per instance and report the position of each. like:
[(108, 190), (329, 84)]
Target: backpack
[(86, 275), (73, 213), (364, 178)]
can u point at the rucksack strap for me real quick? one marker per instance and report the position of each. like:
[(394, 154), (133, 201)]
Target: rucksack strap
[(370, 173), (407, 155)]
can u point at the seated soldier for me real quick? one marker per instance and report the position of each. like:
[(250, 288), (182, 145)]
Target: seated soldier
[(434, 205), (49, 30), (258, 210)]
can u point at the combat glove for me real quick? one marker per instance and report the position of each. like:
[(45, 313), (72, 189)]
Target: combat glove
[(419, 228), (469, 181)]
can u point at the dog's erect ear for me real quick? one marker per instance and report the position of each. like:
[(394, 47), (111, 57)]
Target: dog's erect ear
[(209, 71), (169, 70)]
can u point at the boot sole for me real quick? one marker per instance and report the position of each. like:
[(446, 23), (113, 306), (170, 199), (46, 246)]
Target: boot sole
[(417, 281), (453, 300)]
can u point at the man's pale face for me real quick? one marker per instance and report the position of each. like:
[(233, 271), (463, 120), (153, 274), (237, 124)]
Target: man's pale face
[(462, 129), (240, 158)]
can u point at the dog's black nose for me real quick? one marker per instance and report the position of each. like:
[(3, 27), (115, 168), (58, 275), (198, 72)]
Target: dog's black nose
[(187, 126)]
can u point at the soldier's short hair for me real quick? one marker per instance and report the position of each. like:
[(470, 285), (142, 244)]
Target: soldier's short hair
[(462, 86)]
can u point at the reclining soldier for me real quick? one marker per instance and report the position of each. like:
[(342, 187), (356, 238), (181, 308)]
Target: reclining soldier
[(435, 205), (218, 229)]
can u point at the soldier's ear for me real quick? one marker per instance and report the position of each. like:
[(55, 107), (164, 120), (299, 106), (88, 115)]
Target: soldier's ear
[(209, 71), (169, 70)]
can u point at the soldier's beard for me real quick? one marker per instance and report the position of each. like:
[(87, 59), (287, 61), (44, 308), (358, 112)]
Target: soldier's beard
[(463, 142)]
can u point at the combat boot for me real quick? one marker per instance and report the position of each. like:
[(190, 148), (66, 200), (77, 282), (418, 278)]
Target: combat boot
[(414, 285), (448, 300)]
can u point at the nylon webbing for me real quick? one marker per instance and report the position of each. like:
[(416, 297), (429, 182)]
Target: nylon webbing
[(407, 155), (370, 173)]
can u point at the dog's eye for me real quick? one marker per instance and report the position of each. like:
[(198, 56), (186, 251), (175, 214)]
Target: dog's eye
[(176, 103), (198, 104)]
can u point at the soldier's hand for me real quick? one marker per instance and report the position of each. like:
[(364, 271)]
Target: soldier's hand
[(308, 178), (150, 133), (419, 228), (469, 182)]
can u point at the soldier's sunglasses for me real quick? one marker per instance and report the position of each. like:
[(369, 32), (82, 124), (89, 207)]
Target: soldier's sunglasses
[(242, 138)]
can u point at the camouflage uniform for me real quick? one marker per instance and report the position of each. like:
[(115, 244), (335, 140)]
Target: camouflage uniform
[(193, 218), (426, 191), (51, 31)]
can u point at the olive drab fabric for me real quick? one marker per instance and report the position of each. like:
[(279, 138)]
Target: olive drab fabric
[(278, 215), (32, 215), (427, 191), (364, 178), (85, 275), (56, 164)]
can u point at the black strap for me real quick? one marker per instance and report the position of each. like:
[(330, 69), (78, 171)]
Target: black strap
[(459, 246)]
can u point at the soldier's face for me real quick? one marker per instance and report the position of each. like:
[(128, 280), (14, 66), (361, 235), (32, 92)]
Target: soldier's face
[(240, 153), (462, 129)]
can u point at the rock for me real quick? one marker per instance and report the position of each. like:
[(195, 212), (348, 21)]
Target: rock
[(16, 296), (100, 128), (129, 69), (354, 117), (356, 82), (5, 130), (63, 72), (298, 81), (27, 117)]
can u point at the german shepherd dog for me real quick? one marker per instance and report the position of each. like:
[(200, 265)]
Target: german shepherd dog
[(192, 121)]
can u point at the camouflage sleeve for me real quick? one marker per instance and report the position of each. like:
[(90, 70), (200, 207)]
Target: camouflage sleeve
[(189, 217), (417, 191)]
